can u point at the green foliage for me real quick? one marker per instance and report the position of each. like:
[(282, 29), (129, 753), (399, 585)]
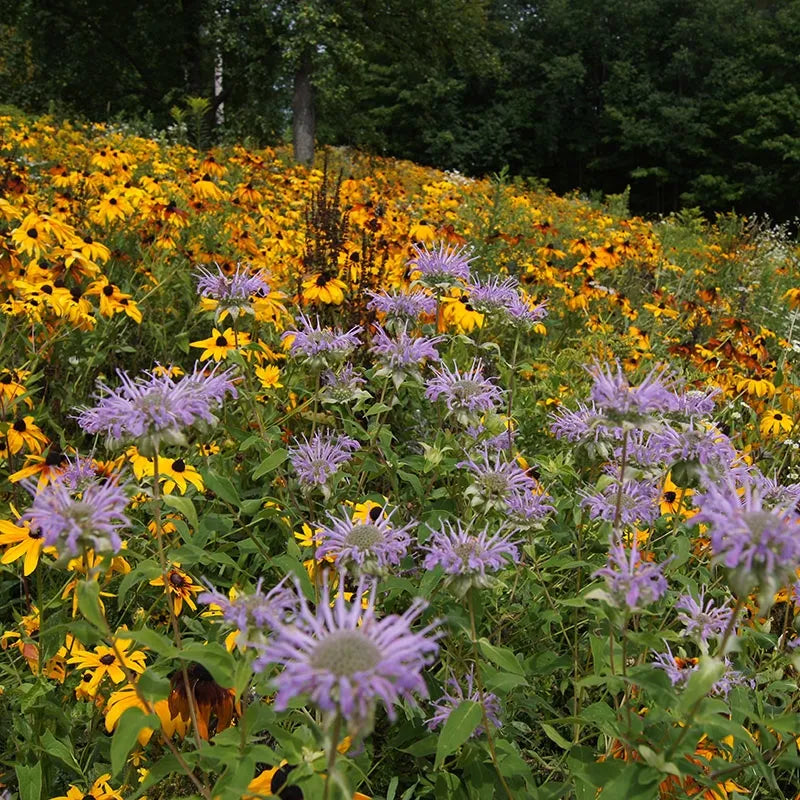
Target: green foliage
[(692, 104)]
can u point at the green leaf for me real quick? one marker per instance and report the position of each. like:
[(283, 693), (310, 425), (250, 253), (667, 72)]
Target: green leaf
[(555, 736), (156, 642), (459, 727), (30, 781), (222, 487), (709, 671), (502, 656), (62, 751), (409, 477), (131, 723), (145, 571), (153, 686), (273, 460), (183, 505), (422, 747), (89, 603), (215, 658), (250, 441)]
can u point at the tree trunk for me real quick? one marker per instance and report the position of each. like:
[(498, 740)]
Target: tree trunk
[(303, 117)]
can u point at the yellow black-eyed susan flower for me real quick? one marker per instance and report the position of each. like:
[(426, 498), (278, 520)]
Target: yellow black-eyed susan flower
[(218, 345), (180, 587)]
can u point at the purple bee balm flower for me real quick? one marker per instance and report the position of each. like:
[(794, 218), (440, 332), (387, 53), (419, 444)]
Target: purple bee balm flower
[(315, 461), (233, 293), (77, 473), (615, 398), (467, 395), (71, 521), (504, 297), (499, 441), (405, 353), (695, 403), (632, 583), (702, 619), (573, 425), (493, 294), (759, 545), (442, 266), (638, 504), (369, 547), (773, 493), (586, 423), (342, 386), (467, 555), (157, 408), (496, 481), (700, 443), (402, 306), (519, 311), (454, 695), (323, 345), (529, 509), (347, 660), (255, 614), (679, 670)]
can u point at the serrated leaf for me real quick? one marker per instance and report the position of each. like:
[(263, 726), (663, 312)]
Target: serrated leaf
[(183, 505), (459, 726), (271, 462), (131, 723)]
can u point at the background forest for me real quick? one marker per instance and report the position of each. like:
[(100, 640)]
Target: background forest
[(690, 102)]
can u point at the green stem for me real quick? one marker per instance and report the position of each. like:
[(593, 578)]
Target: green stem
[(332, 753), (720, 653), (511, 386), (487, 725), (132, 681), (170, 607), (623, 460)]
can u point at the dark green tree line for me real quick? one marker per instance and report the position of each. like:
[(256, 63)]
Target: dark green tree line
[(690, 102)]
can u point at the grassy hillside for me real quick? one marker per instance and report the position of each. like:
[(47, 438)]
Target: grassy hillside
[(532, 436)]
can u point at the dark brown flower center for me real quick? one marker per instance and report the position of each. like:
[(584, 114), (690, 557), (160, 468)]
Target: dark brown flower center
[(107, 659), (20, 426), (54, 458), (221, 341), (33, 233), (177, 580), (670, 496), (108, 290), (179, 465)]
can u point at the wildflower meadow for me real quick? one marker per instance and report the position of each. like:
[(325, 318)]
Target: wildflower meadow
[(367, 480)]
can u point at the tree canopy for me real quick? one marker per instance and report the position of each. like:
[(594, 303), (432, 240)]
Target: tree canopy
[(690, 102)]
